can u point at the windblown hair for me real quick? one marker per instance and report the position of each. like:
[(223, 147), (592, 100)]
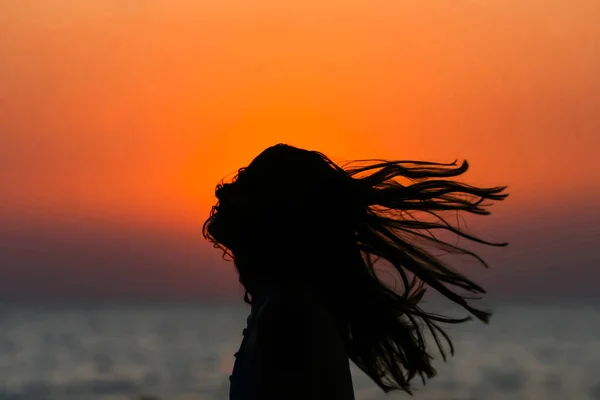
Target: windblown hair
[(352, 217)]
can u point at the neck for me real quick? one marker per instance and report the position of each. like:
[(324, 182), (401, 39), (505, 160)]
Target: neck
[(258, 297)]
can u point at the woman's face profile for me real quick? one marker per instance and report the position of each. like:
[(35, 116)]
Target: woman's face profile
[(231, 213)]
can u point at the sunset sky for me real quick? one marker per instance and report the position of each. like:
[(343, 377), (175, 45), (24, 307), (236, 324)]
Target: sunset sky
[(117, 119)]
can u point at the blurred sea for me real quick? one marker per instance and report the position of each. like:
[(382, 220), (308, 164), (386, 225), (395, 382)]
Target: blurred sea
[(185, 352)]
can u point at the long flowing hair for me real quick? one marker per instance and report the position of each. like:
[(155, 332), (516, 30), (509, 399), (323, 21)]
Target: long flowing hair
[(364, 213)]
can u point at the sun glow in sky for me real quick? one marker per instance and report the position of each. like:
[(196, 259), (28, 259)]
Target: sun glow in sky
[(128, 113)]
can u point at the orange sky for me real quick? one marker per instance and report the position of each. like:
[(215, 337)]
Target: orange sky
[(130, 112)]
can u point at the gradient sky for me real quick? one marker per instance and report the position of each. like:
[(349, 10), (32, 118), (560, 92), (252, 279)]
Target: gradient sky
[(117, 118)]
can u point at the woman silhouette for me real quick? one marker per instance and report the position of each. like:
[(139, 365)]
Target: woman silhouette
[(305, 234)]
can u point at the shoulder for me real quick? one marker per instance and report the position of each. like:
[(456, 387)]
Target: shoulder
[(296, 324), (293, 308), (296, 318), (298, 346)]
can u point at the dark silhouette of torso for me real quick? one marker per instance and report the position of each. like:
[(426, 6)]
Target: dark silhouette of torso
[(322, 349)]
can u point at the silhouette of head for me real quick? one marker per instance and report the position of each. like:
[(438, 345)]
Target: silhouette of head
[(288, 206)]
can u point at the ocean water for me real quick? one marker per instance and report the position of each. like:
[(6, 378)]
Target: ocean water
[(185, 352)]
